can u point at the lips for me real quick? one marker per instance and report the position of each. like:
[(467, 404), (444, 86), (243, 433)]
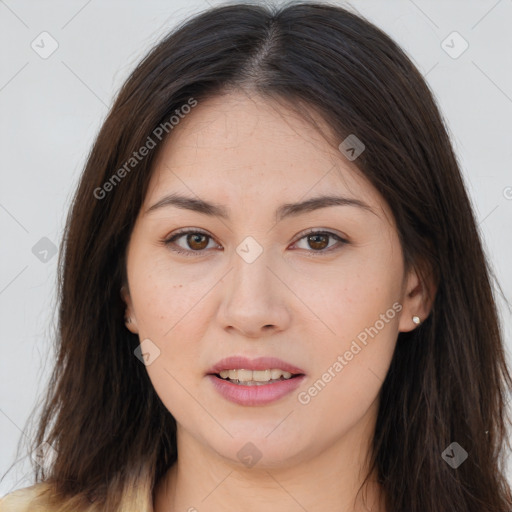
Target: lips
[(260, 363), (252, 396)]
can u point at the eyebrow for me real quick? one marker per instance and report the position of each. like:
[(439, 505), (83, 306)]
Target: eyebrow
[(284, 211)]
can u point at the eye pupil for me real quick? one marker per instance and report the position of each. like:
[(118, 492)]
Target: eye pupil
[(315, 244), (196, 238)]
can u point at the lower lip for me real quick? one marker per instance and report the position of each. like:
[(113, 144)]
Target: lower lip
[(255, 395)]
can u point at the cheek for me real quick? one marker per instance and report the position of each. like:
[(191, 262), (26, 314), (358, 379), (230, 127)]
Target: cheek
[(172, 316), (165, 298), (347, 379), (171, 312), (175, 318), (363, 311), (360, 296)]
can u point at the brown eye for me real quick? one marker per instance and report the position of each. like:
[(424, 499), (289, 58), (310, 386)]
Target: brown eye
[(318, 242), (196, 241), (193, 242)]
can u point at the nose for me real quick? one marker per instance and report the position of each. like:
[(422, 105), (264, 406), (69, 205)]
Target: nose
[(255, 299)]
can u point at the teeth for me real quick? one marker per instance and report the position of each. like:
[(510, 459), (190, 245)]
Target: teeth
[(255, 376)]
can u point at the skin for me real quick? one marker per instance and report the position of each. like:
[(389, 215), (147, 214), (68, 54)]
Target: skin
[(293, 302)]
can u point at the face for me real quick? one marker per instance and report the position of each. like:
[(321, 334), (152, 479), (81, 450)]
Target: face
[(323, 289)]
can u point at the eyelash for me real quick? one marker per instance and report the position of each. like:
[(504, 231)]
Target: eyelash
[(182, 232)]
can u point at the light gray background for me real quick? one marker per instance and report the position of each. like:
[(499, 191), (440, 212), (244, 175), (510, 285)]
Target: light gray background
[(51, 110)]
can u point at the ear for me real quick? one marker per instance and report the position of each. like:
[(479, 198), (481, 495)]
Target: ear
[(129, 315), (417, 299)]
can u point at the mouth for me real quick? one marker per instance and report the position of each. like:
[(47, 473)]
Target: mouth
[(254, 382), (244, 377), (261, 371), (252, 388)]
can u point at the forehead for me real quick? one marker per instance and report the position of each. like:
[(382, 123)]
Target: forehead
[(238, 147)]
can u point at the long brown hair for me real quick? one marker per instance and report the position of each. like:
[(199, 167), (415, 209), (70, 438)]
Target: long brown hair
[(448, 379)]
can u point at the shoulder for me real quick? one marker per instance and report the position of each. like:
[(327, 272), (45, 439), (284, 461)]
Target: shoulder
[(24, 500)]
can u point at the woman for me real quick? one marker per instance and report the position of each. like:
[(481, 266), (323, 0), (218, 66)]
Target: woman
[(272, 287)]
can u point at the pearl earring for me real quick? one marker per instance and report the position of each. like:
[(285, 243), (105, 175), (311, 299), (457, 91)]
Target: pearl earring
[(128, 320), (416, 320)]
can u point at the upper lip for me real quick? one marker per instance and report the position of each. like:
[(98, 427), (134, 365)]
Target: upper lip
[(260, 363)]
